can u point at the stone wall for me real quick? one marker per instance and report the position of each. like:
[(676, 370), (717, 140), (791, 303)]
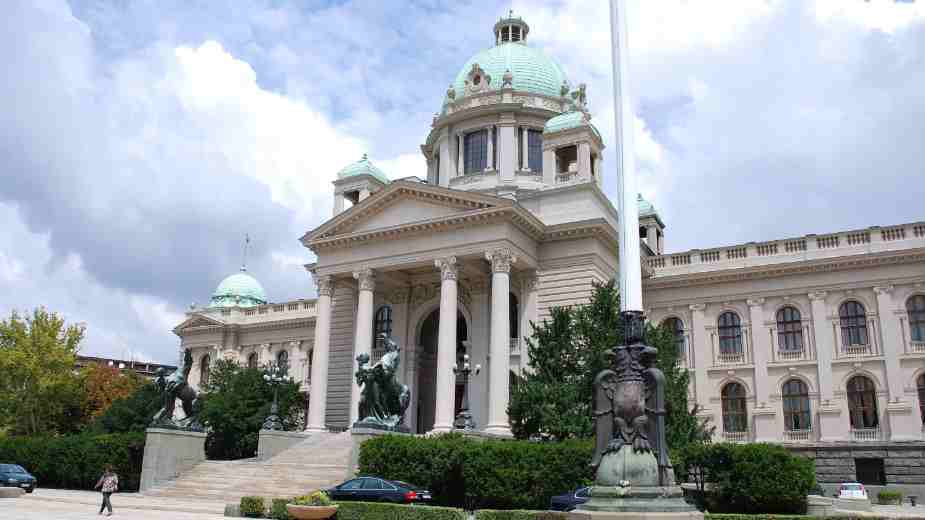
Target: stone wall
[(903, 463)]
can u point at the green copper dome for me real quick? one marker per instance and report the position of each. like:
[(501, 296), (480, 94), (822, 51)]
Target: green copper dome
[(239, 290), (532, 70), (645, 207), (363, 167)]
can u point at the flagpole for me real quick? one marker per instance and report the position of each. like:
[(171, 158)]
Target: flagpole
[(630, 268)]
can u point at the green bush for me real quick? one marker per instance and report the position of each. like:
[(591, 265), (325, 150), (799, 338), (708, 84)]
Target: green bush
[(252, 507), (77, 461), (519, 514), (478, 474), (278, 509), (378, 511), (749, 478), (723, 516), (889, 496)]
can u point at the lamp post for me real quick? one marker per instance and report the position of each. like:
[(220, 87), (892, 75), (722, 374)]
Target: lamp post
[(275, 375), (464, 420)]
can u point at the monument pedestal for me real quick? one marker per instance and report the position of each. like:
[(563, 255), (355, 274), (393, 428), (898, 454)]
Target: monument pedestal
[(169, 453)]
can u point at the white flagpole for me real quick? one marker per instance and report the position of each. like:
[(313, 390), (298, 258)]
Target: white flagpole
[(630, 268)]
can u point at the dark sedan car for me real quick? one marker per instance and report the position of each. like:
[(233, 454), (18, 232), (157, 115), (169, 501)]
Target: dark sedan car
[(13, 475), (569, 501), (374, 489)]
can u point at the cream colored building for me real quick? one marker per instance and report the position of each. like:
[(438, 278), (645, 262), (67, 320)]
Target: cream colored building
[(803, 340)]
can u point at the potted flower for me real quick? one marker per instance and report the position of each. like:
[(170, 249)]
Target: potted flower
[(316, 506)]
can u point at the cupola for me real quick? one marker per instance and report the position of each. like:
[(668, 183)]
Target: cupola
[(651, 227), (357, 181), (511, 30)]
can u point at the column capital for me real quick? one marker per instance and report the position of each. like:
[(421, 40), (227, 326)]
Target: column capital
[(755, 302), (817, 295), (325, 285), (883, 289), (698, 307), (501, 260), (449, 269), (366, 278), (530, 280)]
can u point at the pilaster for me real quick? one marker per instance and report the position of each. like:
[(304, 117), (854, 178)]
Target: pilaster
[(700, 353)]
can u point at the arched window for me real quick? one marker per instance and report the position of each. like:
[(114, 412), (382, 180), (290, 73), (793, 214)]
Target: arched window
[(676, 327), (282, 361), (730, 333), (853, 320), (915, 306), (204, 369), (795, 395), (383, 324), (252, 360), (789, 329), (862, 403), (921, 385), (735, 415)]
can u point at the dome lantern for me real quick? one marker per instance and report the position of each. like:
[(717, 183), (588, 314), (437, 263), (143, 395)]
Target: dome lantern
[(511, 30)]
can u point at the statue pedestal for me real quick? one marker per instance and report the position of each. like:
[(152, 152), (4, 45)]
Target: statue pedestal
[(169, 453)]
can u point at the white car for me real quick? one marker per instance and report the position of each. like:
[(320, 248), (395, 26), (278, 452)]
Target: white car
[(853, 490)]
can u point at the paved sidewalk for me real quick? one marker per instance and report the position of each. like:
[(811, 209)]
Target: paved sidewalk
[(54, 504)]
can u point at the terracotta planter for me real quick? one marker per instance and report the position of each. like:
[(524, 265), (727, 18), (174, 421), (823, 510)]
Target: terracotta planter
[(310, 512)]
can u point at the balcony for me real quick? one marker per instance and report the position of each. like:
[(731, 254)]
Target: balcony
[(798, 435), (739, 437), (866, 434), (916, 347), (515, 346)]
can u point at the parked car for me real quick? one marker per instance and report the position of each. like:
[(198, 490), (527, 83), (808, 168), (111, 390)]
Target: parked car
[(569, 501), (14, 475), (852, 490), (375, 489)]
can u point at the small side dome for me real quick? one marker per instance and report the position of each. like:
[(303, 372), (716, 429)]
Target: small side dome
[(363, 167), (568, 121), (239, 290), (646, 208)]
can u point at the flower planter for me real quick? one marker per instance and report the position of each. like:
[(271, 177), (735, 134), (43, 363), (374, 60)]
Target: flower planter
[(310, 512)]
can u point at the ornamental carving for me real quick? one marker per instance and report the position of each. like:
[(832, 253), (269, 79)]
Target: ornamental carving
[(449, 270), (325, 285), (817, 295), (501, 260), (477, 80), (531, 281), (366, 279), (755, 302), (507, 80)]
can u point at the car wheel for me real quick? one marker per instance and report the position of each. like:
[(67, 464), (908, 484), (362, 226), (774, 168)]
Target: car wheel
[(30, 490)]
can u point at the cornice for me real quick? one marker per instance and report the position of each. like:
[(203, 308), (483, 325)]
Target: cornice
[(790, 268), (598, 228)]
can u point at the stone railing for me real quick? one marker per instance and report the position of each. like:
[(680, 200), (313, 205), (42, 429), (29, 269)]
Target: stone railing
[(564, 177), (871, 240), (798, 435), (293, 309), (866, 434), (737, 436), (916, 347), (515, 346)]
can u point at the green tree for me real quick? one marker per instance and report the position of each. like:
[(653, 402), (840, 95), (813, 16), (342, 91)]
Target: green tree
[(566, 352), (132, 413), (235, 403), (39, 391)]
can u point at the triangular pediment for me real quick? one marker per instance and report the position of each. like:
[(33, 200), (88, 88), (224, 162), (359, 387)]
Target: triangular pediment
[(404, 203), (196, 321)]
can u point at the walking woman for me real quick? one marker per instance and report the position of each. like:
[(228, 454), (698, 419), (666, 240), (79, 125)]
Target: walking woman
[(108, 484)]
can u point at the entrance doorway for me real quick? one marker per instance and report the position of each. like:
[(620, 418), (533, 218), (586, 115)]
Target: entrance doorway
[(427, 368)]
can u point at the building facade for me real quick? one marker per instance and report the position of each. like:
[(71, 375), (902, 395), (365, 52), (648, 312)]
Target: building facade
[(815, 339)]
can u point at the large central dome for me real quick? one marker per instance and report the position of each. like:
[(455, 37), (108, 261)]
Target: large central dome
[(533, 71)]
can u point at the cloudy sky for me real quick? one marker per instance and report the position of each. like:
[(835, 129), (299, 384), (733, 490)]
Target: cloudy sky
[(141, 139)]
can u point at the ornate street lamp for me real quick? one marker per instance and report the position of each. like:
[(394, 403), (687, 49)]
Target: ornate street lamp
[(464, 420), (275, 375)]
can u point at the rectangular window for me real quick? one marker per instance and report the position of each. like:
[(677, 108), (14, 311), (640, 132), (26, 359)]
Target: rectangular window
[(535, 150), (870, 472), (475, 148)]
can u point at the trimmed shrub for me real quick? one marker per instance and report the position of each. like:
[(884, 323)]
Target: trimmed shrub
[(380, 511), (749, 478), (519, 514), (711, 516), (889, 496), (478, 474), (77, 461), (252, 507), (278, 509)]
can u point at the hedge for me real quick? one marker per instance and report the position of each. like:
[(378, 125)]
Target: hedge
[(519, 514), (77, 461), (380, 511), (480, 474), (722, 516)]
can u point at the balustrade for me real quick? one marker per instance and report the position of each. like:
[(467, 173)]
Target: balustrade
[(798, 435), (866, 434)]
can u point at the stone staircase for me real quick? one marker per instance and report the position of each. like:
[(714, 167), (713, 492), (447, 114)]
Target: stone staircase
[(320, 461)]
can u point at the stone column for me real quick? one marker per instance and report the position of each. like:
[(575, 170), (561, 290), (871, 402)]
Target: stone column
[(549, 166), (491, 148), (338, 203), (525, 150), (460, 157), (446, 345), (829, 412), (446, 165), (317, 404), (584, 160), (363, 341), (528, 314), (499, 347)]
